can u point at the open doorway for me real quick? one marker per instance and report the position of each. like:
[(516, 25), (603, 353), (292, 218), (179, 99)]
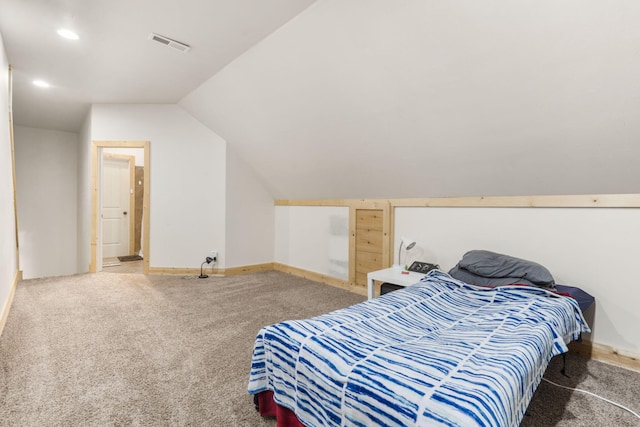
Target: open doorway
[(121, 196), (120, 207)]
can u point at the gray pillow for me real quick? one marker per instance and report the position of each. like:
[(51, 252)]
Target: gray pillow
[(491, 264), (492, 282)]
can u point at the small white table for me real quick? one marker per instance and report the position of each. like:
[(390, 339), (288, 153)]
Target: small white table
[(391, 275)]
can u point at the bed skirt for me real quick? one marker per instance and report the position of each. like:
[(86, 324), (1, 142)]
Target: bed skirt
[(268, 408)]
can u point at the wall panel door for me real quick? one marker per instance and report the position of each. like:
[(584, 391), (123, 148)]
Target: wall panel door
[(369, 241)]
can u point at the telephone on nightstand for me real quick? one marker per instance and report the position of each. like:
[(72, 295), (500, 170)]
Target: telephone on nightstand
[(422, 267)]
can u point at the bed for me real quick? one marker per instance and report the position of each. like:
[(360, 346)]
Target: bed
[(441, 352)]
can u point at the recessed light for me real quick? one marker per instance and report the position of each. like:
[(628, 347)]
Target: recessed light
[(41, 83), (68, 34)]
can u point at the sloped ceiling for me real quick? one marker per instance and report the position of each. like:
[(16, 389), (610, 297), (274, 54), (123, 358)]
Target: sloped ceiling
[(422, 98), (114, 61)]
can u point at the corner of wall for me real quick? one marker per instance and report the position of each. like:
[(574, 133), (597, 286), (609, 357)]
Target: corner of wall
[(249, 215)]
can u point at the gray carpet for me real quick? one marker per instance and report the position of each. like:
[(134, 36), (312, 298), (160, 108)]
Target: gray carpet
[(127, 349)]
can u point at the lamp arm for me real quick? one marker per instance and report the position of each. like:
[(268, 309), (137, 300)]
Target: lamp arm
[(202, 275)]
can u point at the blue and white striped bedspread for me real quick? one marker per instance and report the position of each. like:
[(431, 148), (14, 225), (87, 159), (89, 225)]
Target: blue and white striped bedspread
[(440, 352)]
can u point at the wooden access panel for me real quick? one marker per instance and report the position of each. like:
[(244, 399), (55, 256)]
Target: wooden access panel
[(369, 242)]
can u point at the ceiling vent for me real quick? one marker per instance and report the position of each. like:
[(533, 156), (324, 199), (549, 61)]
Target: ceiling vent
[(169, 42)]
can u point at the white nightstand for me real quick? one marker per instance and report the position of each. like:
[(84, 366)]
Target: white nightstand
[(391, 275)]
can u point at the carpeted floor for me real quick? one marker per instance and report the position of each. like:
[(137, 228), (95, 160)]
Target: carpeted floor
[(113, 265), (128, 349)]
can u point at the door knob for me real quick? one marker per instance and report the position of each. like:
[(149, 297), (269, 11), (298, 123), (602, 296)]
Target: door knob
[(124, 213)]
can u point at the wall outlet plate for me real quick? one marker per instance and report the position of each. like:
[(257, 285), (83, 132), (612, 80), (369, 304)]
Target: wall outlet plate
[(214, 255)]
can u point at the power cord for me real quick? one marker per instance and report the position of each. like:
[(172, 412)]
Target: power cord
[(594, 395)]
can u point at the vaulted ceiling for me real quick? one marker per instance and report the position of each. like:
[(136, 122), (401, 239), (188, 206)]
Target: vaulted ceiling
[(437, 98), (362, 98), (114, 61)]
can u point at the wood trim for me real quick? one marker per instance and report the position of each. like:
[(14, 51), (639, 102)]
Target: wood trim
[(606, 354), (572, 201), (4, 315), (219, 272), (174, 270), (335, 202), (96, 145), (121, 144), (392, 233), (146, 206), (256, 268), (318, 277), (369, 203), (552, 201), (352, 244), (13, 167)]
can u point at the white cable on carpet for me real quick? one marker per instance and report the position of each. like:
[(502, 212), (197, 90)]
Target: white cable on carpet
[(594, 395)]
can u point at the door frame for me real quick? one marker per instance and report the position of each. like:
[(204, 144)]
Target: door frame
[(96, 184)]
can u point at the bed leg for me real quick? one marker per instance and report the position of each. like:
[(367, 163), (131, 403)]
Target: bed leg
[(563, 371), (255, 402)]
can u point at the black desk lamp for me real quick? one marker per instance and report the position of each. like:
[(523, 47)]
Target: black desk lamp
[(208, 260)]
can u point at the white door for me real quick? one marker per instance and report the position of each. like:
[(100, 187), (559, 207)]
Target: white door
[(115, 193)]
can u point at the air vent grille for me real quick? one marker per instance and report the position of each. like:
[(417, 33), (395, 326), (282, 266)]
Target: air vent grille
[(169, 42)]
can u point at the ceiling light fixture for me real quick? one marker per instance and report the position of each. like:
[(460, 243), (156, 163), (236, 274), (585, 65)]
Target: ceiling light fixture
[(68, 34), (41, 83)]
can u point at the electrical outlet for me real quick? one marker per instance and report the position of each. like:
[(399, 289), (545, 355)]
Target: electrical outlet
[(214, 255)]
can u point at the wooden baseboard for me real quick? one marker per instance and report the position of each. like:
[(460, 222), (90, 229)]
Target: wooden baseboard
[(318, 277), (232, 271), (606, 354), (7, 304), (175, 270), (256, 268)]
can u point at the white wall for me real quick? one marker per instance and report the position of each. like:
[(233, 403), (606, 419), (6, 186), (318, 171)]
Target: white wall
[(415, 98), (187, 171), (594, 249), (8, 250), (46, 183), (313, 238), (249, 218)]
